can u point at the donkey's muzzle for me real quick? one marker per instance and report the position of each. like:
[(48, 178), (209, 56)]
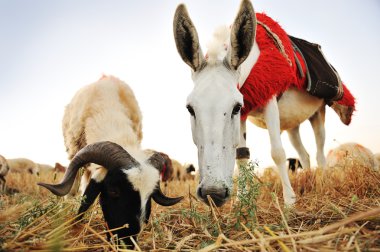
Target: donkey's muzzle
[(218, 195)]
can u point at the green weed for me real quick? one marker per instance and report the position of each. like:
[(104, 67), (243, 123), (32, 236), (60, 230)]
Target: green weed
[(248, 190)]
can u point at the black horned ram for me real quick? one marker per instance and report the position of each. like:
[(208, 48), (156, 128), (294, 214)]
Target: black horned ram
[(102, 126)]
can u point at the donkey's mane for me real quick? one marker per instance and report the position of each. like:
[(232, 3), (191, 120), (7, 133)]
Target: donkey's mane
[(218, 45)]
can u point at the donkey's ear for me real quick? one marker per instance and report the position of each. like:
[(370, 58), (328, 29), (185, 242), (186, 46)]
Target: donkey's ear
[(186, 38), (243, 32)]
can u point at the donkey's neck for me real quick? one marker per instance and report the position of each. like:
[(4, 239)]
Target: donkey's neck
[(247, 65)]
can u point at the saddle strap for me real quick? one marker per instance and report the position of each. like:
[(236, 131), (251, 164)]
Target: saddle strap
[(299, 66), (276, 40)]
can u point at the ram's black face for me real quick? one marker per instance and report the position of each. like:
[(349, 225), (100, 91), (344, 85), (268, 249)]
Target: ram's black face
[(121, 204)]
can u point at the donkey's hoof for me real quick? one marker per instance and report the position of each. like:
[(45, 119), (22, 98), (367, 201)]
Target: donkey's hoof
[(290, 201)]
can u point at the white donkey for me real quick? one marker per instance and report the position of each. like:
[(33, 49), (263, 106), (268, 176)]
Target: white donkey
[(215, 106)]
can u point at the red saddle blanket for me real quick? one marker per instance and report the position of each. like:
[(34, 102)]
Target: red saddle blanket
[(279, 67)]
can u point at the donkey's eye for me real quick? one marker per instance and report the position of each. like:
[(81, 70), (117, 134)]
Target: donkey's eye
[(191, 110), (236, 109)]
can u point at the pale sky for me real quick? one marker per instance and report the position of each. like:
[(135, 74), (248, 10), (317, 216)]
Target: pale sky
[(50, 49)]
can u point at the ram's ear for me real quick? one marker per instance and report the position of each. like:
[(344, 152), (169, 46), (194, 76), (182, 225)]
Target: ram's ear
[(186, 39), (243, 32), (92, 191)]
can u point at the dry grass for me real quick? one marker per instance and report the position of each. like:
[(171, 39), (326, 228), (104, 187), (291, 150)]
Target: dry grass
[(337, 210)]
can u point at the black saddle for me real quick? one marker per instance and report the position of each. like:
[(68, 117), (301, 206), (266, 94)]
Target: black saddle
[(323, 80)]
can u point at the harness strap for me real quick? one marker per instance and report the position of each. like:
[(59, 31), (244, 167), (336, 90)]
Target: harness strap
[(299, 67), (277, 41), (298, 63), (242, 153)]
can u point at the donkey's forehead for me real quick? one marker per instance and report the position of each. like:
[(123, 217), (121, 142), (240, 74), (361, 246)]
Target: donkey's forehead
[(215, 84), (218, 69)]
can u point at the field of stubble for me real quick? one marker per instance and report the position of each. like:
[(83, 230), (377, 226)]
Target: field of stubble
[(336, 210)]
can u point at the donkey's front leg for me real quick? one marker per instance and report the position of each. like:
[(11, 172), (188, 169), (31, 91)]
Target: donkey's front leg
[(272, 120), (242, 152)]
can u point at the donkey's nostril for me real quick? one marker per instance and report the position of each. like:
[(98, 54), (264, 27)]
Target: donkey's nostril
[(199, 193), (218, 195)]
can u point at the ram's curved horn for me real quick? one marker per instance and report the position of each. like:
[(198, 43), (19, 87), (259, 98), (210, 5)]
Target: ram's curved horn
[(107, 154), (164, 200)]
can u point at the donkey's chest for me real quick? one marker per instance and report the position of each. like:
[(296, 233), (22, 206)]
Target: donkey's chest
[(294, 106)]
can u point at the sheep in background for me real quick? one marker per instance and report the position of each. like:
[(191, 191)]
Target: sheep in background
[(21, 165), (102, 126), (182, 172), (293, 164), (4, 168), (377, 160), (45, 168), (350, 155)]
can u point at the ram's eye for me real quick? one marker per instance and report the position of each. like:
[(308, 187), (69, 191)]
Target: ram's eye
[(113, 192), (236, 109), (191, 110)]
